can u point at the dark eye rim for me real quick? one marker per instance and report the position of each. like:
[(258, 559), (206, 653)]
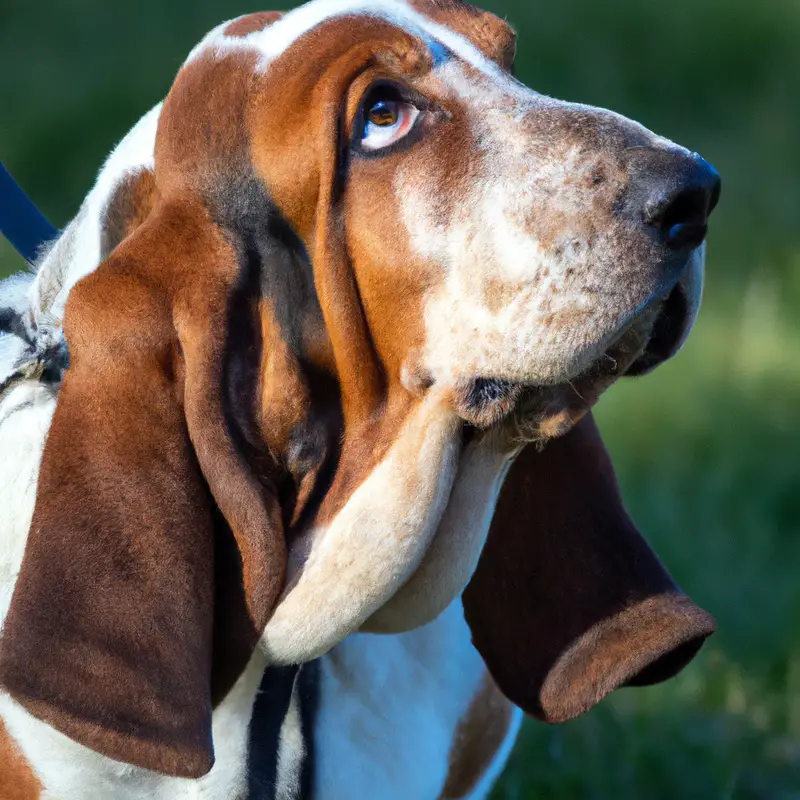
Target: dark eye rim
[(396, 92)]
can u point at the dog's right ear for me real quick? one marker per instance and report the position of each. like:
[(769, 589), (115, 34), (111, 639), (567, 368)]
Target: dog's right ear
[(493, 36), (568, 601), (110, 633)]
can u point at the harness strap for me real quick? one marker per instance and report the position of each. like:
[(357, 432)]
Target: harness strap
[(20, 220)]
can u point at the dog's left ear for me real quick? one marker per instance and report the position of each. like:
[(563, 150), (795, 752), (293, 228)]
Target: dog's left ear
[(568, 601), (156, 550)]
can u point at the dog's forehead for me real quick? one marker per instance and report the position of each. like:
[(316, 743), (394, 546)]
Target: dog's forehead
[(270, 37)]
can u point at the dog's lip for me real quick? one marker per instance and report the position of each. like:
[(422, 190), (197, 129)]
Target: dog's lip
[(651, 335), (542, 411), (668, 332)]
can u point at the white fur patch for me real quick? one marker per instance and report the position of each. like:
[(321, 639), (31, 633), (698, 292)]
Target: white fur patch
[(389, 709), (453, 555), (535, 285), (276, 39), (25, 414), (14, 292), (291, 749), (14, 298)]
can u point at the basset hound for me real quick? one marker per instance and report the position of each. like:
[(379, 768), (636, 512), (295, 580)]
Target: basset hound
[(299, 495)]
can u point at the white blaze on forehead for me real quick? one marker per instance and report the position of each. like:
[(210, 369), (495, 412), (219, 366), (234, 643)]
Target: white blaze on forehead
[(277, 38)]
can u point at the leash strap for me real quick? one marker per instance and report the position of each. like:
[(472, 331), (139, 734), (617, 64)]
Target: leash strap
[(20, 220), (27, 353)]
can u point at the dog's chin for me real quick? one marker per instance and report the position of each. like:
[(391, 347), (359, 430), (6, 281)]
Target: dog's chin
[(529, 413)]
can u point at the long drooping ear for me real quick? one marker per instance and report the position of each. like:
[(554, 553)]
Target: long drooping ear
[(143, 485), (568, 601)]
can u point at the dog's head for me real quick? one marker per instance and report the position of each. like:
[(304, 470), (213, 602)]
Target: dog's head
[(367, 266)]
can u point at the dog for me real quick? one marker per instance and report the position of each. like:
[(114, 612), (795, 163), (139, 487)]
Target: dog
[(301, 494)]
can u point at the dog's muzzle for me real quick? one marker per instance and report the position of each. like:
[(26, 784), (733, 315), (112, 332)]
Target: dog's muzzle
[(538, 413)]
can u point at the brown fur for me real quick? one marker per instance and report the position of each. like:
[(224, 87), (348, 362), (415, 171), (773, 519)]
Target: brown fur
[(579, 603), (180, 276), (17, 779), (373, 401), (120, 555), (202, 135), (494, 37), (479, 735), (252, 23), (133, 199)]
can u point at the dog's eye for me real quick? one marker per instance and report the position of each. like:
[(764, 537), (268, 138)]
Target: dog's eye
[(387, 118)]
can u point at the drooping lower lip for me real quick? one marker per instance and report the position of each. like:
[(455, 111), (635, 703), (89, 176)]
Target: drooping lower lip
[(483, 402), (544, 411), (668, 331)]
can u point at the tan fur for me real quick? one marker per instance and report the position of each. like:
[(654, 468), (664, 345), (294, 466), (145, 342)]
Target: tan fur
[(252, 22), (479, 736), (17, 779)]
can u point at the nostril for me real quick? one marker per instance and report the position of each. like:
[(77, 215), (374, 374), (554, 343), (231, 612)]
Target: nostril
[(683, 190), (686, 236), (682, 218)]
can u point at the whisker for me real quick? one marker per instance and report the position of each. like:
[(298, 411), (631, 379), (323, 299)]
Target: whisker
[(572, 385)]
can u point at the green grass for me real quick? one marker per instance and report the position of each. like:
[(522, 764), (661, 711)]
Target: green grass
[(707, 448)]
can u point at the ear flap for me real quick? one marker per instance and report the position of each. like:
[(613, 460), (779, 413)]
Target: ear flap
[(110, 632), (493, 36), (568, 601)]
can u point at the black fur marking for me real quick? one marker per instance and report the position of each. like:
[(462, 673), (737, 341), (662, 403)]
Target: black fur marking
[(482, 402), (486, 391), (11, 322), (308, 692), (269, 712), (56, 361)]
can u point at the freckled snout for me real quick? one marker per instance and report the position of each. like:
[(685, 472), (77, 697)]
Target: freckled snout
[(570, 252), (673, 193)]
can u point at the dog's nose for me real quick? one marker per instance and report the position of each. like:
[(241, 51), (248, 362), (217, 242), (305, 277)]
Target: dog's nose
[(679, 191)]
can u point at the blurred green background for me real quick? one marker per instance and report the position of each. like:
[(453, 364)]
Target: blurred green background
[(707, 448)]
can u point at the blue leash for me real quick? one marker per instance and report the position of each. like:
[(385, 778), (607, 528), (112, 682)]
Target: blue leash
[(42, 357), (20, 220)]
